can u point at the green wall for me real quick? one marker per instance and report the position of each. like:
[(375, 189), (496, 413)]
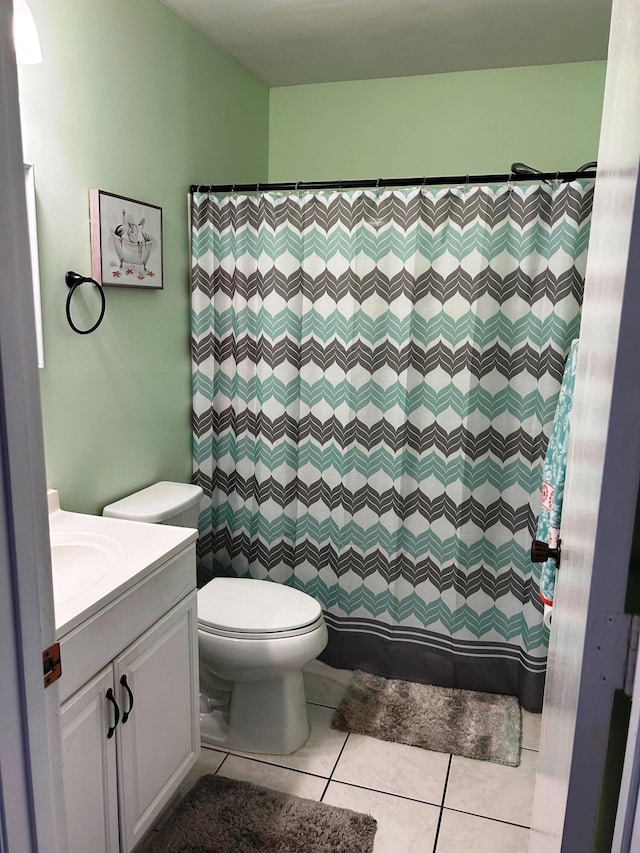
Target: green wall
[(132, 100), (441, 124)]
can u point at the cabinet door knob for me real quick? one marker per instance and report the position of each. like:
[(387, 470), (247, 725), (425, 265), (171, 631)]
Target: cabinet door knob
[(116, 711), (127, 713)]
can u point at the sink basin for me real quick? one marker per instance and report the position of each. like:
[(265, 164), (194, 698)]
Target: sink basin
[(80, 561)]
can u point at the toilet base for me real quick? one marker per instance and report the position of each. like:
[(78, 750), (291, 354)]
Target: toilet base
[(267, 716)]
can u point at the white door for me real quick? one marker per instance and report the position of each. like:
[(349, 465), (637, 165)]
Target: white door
[(31, 811), (589, 630), (88, 725), (159, 739)]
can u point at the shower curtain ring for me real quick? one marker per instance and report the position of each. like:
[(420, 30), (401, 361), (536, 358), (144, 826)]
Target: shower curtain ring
[(510, 180)]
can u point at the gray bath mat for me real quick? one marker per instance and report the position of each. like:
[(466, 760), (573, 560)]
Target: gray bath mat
[(445, 719), (221, 815)]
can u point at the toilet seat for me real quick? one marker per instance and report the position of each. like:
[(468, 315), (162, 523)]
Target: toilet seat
[(255, 609), (271, 635)]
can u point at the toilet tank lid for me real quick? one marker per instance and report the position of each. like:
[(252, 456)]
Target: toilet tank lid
[(155, 503)]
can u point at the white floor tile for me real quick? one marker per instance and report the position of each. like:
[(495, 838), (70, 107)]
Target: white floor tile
[(403, 826), (320, 752), (276, 778), (208, 762), (393, 768), (531, 730), (324, 685), (464, 833), (493, 790)]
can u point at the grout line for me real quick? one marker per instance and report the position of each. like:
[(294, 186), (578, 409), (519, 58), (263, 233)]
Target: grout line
[(249, 757), (444, 794), (386, 793), (334, 767), (486, 817), (446, 781), (212, 748), (339, 756), (222, 763)]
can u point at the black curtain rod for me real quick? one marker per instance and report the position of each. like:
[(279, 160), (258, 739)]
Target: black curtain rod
[(383, 183)]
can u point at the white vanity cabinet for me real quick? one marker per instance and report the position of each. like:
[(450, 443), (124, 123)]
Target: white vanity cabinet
[(130, 733)]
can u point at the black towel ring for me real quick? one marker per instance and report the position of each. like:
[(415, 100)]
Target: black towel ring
[(74, 280)]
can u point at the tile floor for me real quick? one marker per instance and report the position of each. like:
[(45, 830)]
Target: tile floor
[(424, 802)]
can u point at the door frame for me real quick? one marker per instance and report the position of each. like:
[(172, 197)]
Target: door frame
[(590, 629)]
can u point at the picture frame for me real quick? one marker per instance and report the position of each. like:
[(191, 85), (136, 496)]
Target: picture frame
[(126, 241)]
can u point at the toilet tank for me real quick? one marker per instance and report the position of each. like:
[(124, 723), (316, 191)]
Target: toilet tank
[(163, 503)]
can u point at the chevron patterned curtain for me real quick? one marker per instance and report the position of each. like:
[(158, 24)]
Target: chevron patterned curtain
[(375, 375)]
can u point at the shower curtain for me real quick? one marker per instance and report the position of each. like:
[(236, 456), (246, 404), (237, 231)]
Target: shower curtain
[(375, 375)]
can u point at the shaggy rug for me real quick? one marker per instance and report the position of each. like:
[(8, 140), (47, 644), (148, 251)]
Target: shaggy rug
[(221, 815), (445, 719)]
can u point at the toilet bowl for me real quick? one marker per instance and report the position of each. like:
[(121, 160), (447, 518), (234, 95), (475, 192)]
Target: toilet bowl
[(254, 637)]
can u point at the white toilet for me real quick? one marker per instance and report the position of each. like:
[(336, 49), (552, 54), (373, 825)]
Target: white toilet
[(254, 637)]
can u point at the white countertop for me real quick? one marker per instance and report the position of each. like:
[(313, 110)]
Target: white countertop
[(112, 555)]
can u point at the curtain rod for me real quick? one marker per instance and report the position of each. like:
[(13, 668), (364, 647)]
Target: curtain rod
[(383, 183)]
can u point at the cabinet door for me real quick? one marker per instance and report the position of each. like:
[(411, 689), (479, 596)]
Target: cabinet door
[(89, 776), (159, 741)]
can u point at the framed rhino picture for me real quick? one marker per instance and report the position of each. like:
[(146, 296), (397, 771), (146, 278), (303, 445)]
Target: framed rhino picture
[(126, 241)]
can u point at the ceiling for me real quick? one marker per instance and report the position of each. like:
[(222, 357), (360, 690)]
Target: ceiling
[(285, 42)]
